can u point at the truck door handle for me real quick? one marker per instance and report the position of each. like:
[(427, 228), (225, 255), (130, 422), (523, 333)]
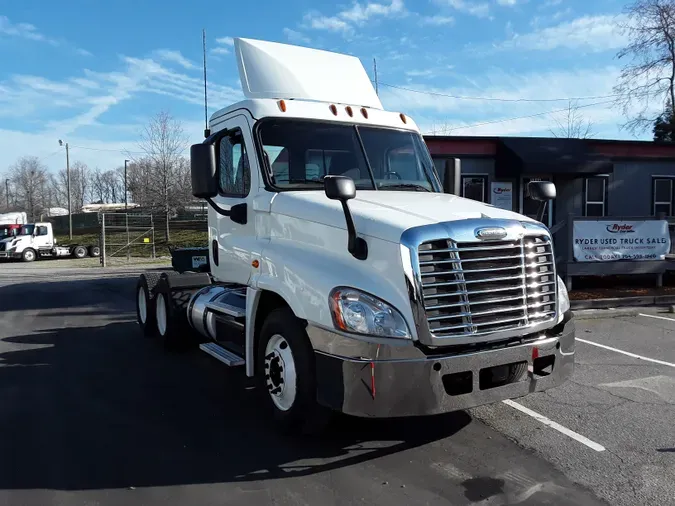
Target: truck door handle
[(214, 251)]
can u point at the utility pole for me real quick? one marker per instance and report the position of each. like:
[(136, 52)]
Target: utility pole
[(70, 213), (126, 200), (7, 191), (377, 91)]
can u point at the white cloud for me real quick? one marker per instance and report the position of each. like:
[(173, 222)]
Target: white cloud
[(331, 24), (175, 57), (296, 37), (228, 41), (438, 20), (360, 13), (220, 50), (30, 32), (23, 30), (478, 9), (507, 3), (357, 14), (594, 33)]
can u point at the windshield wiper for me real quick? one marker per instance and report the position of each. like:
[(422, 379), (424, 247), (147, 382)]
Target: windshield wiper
[(417, 187)]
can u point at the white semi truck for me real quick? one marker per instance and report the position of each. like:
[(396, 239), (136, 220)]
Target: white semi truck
[(341, 277), (36, 240)]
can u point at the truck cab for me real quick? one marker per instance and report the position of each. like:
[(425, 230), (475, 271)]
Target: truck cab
[(36, 240), (341, 276)]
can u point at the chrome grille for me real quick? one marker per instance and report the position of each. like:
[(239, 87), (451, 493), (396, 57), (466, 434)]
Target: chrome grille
[(2, 246), (472, 288)]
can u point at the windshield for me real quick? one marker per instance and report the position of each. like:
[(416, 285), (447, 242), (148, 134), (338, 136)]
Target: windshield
[(300, 153), (27, 230)]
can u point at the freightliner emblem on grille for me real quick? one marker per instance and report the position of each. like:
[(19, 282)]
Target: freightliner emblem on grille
[(487, 233)]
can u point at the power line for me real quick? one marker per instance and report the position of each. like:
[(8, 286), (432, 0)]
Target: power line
[(529, 115), (494, 99)]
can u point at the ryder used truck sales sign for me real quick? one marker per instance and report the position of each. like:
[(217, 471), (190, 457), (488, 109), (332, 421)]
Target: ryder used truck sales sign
[(608, 241)]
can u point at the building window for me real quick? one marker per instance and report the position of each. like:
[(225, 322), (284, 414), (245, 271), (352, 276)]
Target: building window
[(662, 195), (474, 187), (595, 196)]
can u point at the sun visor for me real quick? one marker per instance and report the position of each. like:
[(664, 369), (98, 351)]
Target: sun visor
[(274, 70)]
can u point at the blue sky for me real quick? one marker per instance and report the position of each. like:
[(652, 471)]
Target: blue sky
[(92, 73)]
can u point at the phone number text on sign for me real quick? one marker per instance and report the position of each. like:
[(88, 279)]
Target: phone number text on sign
[(609, 241)]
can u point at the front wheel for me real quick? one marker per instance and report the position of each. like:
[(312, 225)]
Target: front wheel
[(286, 374), (28, 255)]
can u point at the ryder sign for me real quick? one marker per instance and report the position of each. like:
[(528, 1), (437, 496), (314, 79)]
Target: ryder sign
[(609, 241)]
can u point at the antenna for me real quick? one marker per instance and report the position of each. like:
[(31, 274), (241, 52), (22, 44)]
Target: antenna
[(207, 132), (377, 91)]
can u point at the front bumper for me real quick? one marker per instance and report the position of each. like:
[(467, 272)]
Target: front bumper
[(408, 382)]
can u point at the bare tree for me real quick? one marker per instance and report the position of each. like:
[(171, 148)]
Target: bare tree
[(648, 77), (31, 183), (161, 168), (80, 185), (571, 124)]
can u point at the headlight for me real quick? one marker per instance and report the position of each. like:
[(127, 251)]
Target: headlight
[(563, 298), (360, 313)]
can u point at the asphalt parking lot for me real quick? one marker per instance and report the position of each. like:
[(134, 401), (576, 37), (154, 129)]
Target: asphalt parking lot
[(92, 413)]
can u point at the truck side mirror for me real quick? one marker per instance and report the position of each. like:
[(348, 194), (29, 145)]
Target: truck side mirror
[(541, 191), (343, 189), (203, 169)]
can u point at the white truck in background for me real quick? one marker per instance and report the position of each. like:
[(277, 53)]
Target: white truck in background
[(341, 277), (36, 240)]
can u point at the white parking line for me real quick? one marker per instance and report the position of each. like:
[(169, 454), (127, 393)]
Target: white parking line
[(659, 317), (647, 359), (554, 425)]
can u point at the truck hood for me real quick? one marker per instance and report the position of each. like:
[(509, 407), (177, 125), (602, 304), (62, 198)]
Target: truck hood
[(386, 214)]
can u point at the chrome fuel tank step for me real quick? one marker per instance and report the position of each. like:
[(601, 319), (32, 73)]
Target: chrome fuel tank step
[(217, 304), (219, 353)]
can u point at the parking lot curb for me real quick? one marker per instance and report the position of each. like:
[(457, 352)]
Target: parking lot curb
[(618, 302), (595, 314)]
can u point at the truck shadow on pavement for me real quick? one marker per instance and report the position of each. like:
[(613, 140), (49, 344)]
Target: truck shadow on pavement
[(102, 407)]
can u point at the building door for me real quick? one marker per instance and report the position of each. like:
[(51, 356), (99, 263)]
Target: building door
[(528, 206)]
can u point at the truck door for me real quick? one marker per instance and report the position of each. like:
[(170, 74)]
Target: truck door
[(43, 237), (233, 237)]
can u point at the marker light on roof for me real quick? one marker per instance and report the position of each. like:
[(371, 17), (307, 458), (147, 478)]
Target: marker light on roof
[(333, 109), (282, 105), (349, 111), (364, 111), (403, 118)]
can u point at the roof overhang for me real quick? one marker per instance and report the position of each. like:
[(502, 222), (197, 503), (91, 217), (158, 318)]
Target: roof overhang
[(562, 157)]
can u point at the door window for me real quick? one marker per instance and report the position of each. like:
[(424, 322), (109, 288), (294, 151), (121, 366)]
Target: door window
[(233, 166)]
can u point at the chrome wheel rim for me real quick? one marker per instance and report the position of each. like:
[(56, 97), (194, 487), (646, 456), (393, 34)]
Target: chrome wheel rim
[(280, 373), (142, 306), (29, 255), (161, 314)]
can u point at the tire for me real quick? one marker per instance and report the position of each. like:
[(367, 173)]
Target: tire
[(516, 372), (171, 315), (79, 251), (94, 251), (145, 310), (284, 353), (28, 255)]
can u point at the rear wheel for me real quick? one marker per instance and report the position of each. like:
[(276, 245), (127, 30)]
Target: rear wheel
[(94, 251), (28, 255), (145, 311), (171, 313), (79, 252), (286, 374)]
